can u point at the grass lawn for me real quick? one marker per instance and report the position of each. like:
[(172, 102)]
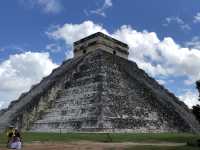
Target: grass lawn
[(29, 137), (162, 148), (104, 137)]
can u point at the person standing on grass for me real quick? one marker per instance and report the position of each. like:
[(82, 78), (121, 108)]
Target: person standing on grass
[(14, 139), (10, 134), (16, 143)]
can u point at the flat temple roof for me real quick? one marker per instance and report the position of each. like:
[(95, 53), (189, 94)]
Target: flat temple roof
[(102, 35)]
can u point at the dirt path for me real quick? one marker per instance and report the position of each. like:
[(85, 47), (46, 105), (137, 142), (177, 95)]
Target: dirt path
[(88, 145)]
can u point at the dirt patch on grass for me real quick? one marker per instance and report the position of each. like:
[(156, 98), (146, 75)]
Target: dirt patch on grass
[(85, 145)]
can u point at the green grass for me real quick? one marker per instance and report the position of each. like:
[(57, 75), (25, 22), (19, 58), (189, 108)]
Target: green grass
[(104, 137), (161, 148), (29, 137)]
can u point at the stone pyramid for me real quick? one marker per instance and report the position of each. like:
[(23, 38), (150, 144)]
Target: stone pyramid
[(99, 90)]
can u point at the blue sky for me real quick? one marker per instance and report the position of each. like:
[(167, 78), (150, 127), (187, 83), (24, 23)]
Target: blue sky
[(37, 35)]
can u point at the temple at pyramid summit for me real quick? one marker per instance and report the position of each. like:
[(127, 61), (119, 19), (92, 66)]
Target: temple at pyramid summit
[(99, 90), (103, 42)]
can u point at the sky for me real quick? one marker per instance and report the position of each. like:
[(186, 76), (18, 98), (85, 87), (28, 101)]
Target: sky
[(36, 36)]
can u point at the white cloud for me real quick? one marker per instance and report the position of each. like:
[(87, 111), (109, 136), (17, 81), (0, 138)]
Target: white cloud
[(190, 98), (165, 57), (197, 18), (174, 19), (47, 6), (69, 54), (158, 57), (194, 43), (73, 32), (28, 68), (101, 11), (161, 81), (108, 3), (54, 48), (185, 27), (177, 20)]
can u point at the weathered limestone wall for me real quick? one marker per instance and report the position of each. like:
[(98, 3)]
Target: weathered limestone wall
[(33, 112), (76, 107), (101, 95)]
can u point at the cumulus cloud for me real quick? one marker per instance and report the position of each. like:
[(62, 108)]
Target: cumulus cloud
[(158, 57), (197, 18), (47, 6), (177, 20), (101, 11), (20, 71), (190, 98), (73, 32)]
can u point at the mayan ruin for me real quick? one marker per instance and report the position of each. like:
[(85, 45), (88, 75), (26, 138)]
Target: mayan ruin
[(99, 90)]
